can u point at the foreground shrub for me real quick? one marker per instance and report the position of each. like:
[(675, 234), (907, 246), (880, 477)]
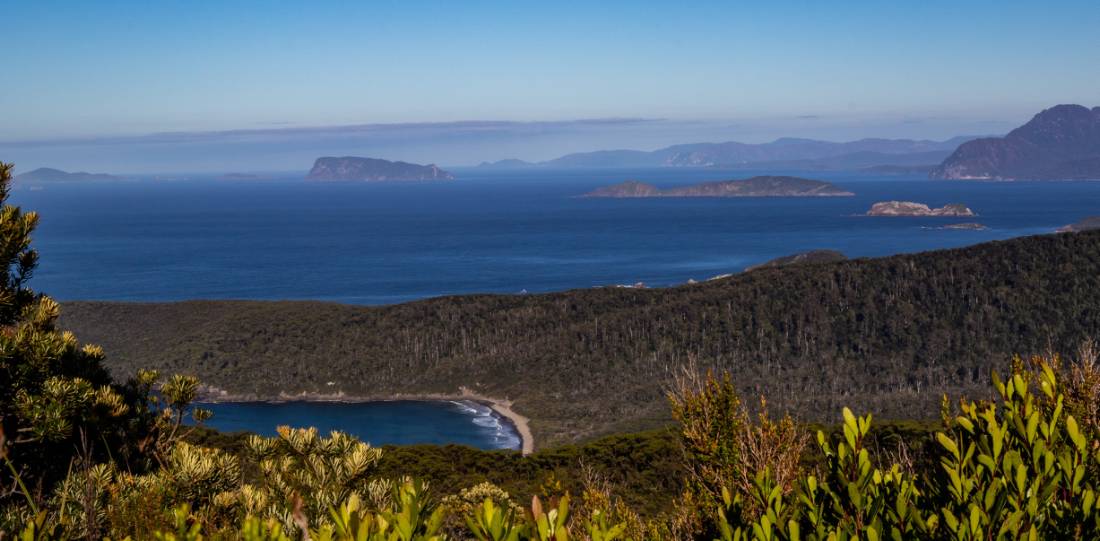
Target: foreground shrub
[(1015, 468)]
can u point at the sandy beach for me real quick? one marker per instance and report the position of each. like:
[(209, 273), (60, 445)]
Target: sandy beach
[(504, 408)]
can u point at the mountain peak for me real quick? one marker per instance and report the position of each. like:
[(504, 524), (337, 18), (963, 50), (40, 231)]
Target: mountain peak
[(1062, 142), (1061, 124)]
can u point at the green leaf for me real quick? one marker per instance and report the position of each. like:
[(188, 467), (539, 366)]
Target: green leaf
[(948, 444)]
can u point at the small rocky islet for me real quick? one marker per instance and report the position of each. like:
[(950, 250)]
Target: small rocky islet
[(909, 208), (759, 186)]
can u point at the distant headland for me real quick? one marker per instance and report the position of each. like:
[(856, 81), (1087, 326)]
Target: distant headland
[(1060, 143), (352, 168), (47, 174), (804, 258), (1087, 224), (762, 186)]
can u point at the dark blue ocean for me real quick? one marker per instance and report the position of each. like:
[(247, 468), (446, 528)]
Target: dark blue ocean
[(498, 232)]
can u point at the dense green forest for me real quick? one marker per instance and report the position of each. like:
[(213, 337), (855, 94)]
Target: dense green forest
[(887, 335)]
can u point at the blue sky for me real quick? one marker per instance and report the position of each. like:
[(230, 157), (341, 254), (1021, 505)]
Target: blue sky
[(742, 70)]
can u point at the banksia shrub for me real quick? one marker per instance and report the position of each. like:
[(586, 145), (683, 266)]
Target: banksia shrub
[(482, 501), (309, 474), (56, 398)]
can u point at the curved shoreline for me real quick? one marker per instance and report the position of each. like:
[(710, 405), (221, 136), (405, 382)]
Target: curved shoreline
[(502, 407)]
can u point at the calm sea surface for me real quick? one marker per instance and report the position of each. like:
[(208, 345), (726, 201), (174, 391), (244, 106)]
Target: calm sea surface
[(499, 232), (486, 232), (379, 423)]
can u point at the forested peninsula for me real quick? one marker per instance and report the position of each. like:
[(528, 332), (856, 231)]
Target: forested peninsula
[(887, 335)]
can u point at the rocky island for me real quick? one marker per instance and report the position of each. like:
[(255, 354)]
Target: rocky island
[(763, 186), (1060, 143), (47, 174), (371, 169), (908, 208)]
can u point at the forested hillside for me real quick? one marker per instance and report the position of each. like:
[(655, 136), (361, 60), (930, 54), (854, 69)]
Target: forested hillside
[(887, 335)]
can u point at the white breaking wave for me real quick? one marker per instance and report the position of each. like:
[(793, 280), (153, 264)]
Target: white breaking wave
[(466, 407), (504, 434)]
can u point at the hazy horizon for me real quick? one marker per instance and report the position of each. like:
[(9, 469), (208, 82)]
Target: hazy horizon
[(452, 144), (127, 87)]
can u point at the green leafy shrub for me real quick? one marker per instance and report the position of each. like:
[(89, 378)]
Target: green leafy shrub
[(1015, 468)]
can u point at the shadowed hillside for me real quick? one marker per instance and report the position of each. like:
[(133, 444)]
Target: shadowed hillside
[(886, 335)]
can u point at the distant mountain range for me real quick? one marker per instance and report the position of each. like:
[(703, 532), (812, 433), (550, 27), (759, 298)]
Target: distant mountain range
[(46, 174), (1060, 143), (785, 153), (372, 169), (763, 186)]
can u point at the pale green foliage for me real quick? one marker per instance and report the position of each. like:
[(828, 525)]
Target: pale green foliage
[(300, 469), (470, 503), (195, 474), (167, 409), (59, 385), (473, 497), (82, 500)]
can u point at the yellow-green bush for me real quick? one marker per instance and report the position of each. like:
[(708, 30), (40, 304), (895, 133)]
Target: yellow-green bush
[(1018, 467)]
